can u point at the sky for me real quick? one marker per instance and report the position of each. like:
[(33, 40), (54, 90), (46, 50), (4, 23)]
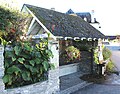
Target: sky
[(106, 11)]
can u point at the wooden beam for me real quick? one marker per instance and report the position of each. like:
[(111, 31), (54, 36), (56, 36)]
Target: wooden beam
[(31, 25), (83, 38), (94, 39), (76, 38), (40, 36), (68, 38), (89, 39)]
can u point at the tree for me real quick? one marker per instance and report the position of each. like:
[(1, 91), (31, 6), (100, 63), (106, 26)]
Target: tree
[(12, 25)]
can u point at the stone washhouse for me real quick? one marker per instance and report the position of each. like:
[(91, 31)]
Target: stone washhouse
[(61, 27)]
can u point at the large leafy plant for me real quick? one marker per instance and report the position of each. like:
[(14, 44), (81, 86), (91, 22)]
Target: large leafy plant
[(24, 62)]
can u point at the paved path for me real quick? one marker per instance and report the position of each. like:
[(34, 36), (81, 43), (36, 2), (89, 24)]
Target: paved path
[(99, 89), (116, 59)]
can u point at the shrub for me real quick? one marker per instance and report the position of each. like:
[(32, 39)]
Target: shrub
[(72, 53), (24, 63), (106, 53), (13, 25), (110, 66)]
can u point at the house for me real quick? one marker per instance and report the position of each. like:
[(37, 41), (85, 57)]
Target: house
[(113, 37), (110, 37), (61, 27), (87, 16)]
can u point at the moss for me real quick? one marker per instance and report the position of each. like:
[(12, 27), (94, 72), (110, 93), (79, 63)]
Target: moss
[(41, 19), (71, 25)]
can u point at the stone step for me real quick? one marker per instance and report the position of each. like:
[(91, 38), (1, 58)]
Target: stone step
[(72, 82), (75, 88)]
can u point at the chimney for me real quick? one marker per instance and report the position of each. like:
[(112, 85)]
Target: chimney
[(92, 16)]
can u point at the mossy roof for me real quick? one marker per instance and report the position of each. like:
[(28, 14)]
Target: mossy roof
[(60, 24)]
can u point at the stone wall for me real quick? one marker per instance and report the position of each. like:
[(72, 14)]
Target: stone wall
[(50, 86), (2, 87)]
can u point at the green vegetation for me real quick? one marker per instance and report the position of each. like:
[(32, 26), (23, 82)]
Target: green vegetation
[(13, 25), (106, 53), (72, 53), (106, 56), (110, 66), (96, 56), (24, 63)]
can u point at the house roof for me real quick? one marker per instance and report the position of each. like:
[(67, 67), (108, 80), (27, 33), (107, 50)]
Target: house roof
[(70, 11), (60, 24), (86, 15), (83, 15), (110, 37)]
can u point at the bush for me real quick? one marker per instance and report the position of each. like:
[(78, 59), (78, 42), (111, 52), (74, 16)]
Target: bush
[(72, 53), (24, 63), (13, 25), (110, 66), (106, 53)]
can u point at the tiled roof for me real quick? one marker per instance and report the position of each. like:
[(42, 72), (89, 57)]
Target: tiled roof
[(110, 37), (86, 15), (70, 11), (60, 24)]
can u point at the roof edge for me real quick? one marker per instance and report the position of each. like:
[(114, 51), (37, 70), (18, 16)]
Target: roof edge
[(51, 35)]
